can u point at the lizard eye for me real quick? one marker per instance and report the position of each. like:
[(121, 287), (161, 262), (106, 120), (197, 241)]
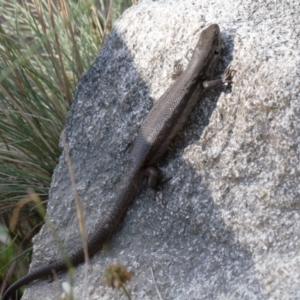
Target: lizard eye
[(216, 52)]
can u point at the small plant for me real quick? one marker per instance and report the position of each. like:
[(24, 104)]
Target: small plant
[(116, 275)]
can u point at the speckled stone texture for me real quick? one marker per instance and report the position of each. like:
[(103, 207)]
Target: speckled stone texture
[(230, 228)]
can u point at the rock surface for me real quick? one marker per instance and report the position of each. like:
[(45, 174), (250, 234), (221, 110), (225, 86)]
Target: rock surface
[(230, 228)]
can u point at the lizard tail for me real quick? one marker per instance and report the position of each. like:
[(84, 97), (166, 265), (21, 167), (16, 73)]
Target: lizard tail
[(39, 273), (105, 228), (97, 240)]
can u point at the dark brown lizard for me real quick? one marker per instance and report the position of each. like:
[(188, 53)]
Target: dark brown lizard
[(159, 128)]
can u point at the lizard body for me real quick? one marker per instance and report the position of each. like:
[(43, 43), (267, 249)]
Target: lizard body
[(157, 131)]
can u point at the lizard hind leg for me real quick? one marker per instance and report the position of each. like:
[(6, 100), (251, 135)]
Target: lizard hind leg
[(152, 175), (155, 181)]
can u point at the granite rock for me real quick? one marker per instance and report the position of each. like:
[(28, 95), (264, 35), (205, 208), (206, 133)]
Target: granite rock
[(230, 227)]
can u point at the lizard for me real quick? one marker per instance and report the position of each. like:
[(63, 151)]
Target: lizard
[(158, 129)]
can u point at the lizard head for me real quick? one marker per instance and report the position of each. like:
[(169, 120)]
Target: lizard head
[(208, 50)]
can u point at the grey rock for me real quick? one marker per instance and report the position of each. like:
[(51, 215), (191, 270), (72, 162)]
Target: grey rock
[(230, 228)]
